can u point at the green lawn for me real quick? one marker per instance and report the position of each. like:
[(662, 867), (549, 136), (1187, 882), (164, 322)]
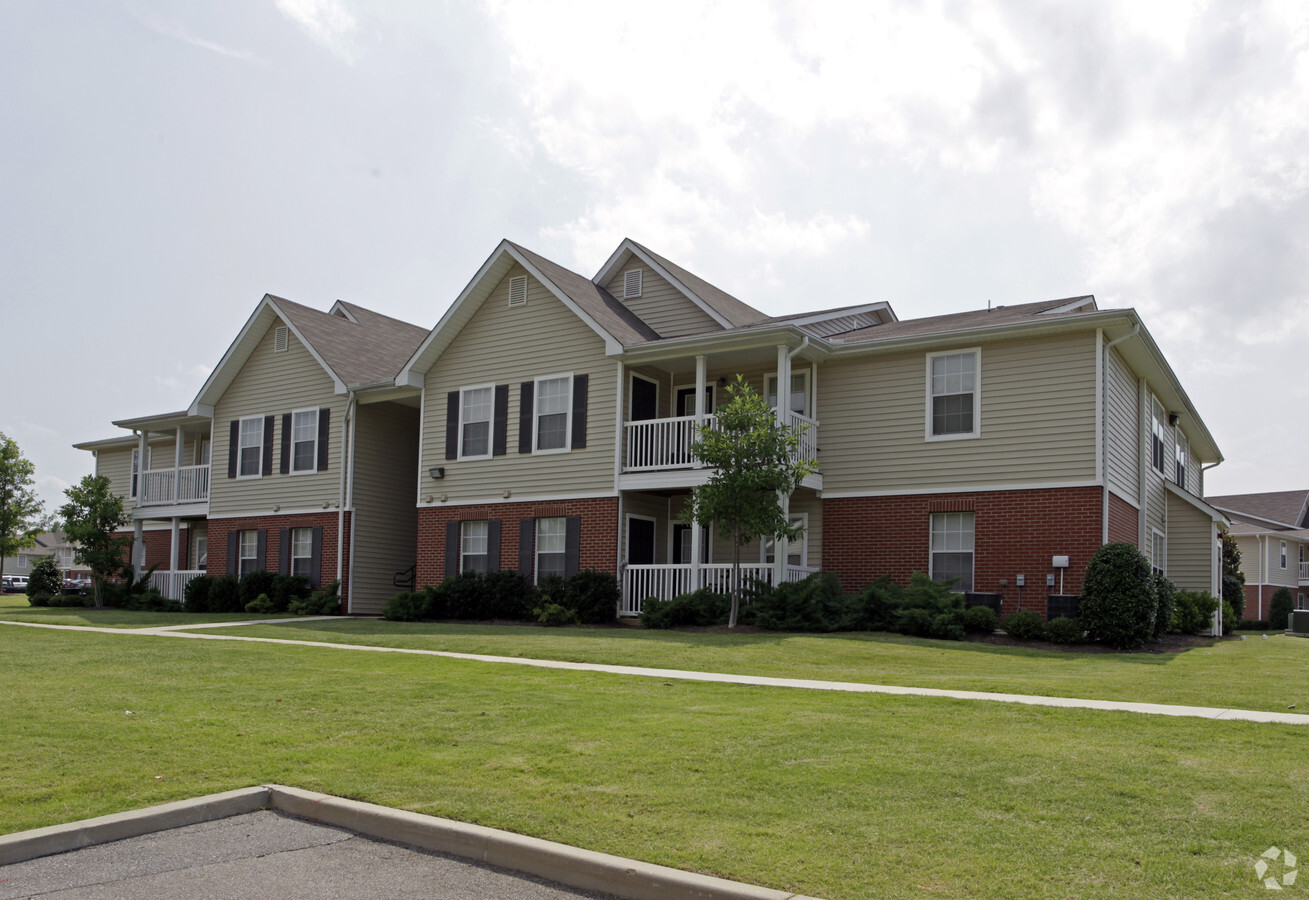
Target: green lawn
[(15, 608), (834, 795), (1251, 674)]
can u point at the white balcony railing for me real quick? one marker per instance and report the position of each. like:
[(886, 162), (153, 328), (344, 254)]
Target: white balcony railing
[(172, 584), (1304, 573), (666, 443), (665, 582), (169, 487)]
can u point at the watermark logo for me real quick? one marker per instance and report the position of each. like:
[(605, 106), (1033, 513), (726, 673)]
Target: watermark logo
[(1263, 868)]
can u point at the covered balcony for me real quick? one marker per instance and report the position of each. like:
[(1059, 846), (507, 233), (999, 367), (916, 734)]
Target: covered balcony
[(1304, 574), (170, 487)]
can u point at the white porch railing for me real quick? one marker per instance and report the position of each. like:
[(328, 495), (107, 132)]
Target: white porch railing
[(1304, 573), (168, 487), (664, 582), (666, 443), (172, 584)]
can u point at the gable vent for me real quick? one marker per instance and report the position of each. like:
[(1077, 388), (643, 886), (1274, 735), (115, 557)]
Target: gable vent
[(518, 290), (631, 284), (281, 339)]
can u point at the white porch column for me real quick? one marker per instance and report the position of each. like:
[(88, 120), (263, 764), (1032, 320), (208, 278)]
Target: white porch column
[(781, 546), (138, 545), (700, 367), (697, 542), (177, 467), (172, 550)]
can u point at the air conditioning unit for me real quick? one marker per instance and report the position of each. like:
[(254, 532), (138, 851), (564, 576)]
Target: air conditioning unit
[(1299, 622)]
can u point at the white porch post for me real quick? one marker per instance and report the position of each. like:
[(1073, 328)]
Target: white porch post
[(780, 545), (697, 533), (177, 467), (138, 545), (172, 550)]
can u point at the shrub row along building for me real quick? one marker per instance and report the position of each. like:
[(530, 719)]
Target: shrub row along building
[(545, 425)]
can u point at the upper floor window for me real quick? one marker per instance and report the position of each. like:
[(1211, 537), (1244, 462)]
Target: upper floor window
[(799, 399), (553, 407), (953, 393), (1158, 436), (952, 549), (1181, 451), (137, 469), (304, 440), (473, 546), (1283, 554), (250, 448), (551, 546), (476, 407)]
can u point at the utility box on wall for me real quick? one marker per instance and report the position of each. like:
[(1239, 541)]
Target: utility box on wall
[(1298, 623)]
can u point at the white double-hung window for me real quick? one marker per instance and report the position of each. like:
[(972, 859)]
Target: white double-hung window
[(304, 440), (952, 548), (302, 551), (1158, 436), (251, 447), (554, 405), (474, 539), (953, 394), (476, 408), (249, 544), (551, 546)]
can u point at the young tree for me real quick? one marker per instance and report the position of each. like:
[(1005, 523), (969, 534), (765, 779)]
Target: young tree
[(752, 455), (1233, 577), (90, 517), (20, 508)]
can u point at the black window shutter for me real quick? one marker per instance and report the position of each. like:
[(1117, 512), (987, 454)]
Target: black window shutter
[(286, 443), (268, 445), (493, 545), (261, 554), (452, 428), (572, 545), (525, 394), (526, 547), (579, 411), (316, 558), (233, 551), (324, 432), (284, 551), (452, 545), (501, 426), (233, 448)]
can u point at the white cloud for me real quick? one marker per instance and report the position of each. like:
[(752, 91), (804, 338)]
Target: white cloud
[(326, 21)]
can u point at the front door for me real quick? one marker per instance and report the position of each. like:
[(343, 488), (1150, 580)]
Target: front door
[(645, 399), (640, 541)]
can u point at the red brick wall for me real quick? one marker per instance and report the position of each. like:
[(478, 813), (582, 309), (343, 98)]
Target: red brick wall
[(1252, 595), (599, 548), (158, 547), (1123, 521), (1015, 532), (220, 528)]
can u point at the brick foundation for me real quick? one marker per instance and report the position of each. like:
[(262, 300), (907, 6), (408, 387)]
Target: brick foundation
[(1253, 592), (599, 547), (1124, 521), (1015, 532), (220, 528)]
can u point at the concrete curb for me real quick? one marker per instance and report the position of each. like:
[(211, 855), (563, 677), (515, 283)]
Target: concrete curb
[(570, 866), (134, 823)]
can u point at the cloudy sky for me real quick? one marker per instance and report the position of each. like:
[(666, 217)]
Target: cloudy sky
[(166, 164)]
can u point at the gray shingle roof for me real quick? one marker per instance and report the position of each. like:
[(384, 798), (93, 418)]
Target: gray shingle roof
[(1000, 315), (367, 351), (723, 303), (1286, 507)]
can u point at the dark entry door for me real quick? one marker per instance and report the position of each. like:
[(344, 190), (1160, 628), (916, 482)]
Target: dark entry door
[(645, 398), (640, 542)]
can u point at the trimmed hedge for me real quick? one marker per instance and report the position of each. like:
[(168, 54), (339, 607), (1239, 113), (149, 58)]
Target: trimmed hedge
[(1119, 604)]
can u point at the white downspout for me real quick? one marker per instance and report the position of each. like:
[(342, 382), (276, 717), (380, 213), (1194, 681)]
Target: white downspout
[(1104, 429), (347, 463)]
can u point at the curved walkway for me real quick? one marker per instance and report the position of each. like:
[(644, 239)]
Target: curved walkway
[(1154, 709)]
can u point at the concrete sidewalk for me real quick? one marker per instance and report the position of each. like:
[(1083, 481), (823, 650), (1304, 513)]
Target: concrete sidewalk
[(1154, 709), (276, 841)]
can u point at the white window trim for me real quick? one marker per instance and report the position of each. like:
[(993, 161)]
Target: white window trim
[(200, 559), (1161, 565), (1182, 452), (1158, 418), (627, 534), (710, 396), (463, 526), (1283, 554), (803, 541), (240, 433), (931, 554), (808, 394), (536, 545), (313, 467), (568, 414), (240, 552), (977, 396), (310, 548), (653, 381), (706, 541), (490, 430)]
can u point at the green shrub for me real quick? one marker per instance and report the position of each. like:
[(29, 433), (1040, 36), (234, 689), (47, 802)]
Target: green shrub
[(195, 596), (593, 596), (319, 603), (915, 622), (1165, 597), (1279, 609), (225, 595), (286, 588), (1234, 593), (1063, 630), (702, 607), (554, 614), (405, 606), (458, 597), (41, 599), (506, 595), (1231, 618), (1193, 612), (980, 620), (1119, 604), (874, 608), (929, 609), (1024, 625), (262, 604), (46, 577), (253, 584), (813, 604), (71, 600)]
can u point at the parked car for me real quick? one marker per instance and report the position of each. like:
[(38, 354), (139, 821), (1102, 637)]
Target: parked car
[(76, 585), (15, 584)]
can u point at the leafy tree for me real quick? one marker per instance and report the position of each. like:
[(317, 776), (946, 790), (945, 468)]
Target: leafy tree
[(1233, 577), (751, 453), (20, 508), (46, 578), (90, 517), (1279, 609)]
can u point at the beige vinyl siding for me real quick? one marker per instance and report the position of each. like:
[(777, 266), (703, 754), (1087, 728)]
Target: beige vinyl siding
[(1193, 480), (1037, 417), (651, 506), (509, 346), (272, 384), (1123, 451), (1275, 574), (1190, 546), (116, 465), (385, 519), (662, 306)]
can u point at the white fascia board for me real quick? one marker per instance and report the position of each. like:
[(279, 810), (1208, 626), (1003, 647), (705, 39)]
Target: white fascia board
[(1079, 303), (880, 306), (337, 383), (339, 307), (747, 338), (629, 246)]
